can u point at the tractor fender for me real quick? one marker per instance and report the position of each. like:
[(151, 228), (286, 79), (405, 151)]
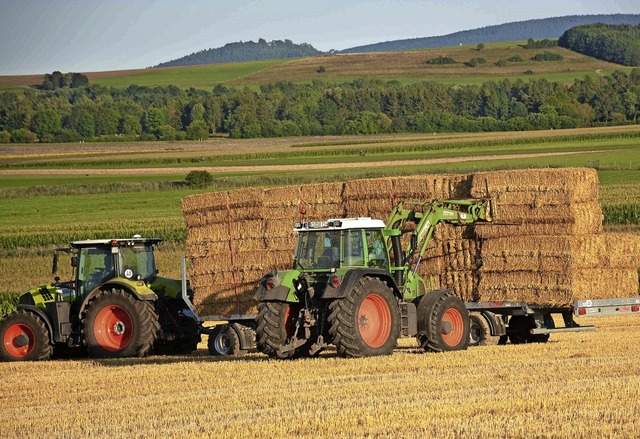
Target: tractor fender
[(147, 294), (40, 313), (276, 294), (352, 277), (246, 335)]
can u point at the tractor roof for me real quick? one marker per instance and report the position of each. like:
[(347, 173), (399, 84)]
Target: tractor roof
[(119, 242), (341, 224)]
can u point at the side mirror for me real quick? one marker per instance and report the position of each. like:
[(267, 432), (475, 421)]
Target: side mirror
[(74, 261), (54, 267)]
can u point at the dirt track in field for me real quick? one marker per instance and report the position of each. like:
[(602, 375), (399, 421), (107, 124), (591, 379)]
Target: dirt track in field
[(301, 167)]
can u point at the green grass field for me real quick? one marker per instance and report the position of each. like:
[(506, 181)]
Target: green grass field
[(405, 67)]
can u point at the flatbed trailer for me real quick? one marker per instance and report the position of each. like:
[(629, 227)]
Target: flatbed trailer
[(521, 322), (234, 334)]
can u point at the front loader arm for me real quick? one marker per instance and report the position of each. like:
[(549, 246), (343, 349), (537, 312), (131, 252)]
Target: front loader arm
[(428, 215)]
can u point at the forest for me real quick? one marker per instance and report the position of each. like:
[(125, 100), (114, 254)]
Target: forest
[(617, 44), (245, 51), (363, 106), (520, 30)]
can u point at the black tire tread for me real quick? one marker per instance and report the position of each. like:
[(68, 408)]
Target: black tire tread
[(430, 340), (343, 326), (147, 317), (44, 349)]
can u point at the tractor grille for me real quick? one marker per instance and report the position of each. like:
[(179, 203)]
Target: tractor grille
[(46, 295)]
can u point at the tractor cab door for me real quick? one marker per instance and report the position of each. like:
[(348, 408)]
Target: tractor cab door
[(136, 262), (95, 267)]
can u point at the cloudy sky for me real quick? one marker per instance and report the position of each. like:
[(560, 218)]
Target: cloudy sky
[(38, 36)]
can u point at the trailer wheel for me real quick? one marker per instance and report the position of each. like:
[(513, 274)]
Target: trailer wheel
[(24, 337), (478, 330), (443, 322), (543, 338), (367, 321), (116, 325), (276, 324), (520, 329), (224, 341)]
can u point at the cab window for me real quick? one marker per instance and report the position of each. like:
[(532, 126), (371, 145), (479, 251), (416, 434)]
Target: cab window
[(375, 247)]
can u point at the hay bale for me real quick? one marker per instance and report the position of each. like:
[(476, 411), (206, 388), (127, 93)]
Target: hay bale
[(560, 288), (558, 253), (431, 187), (537, 187)]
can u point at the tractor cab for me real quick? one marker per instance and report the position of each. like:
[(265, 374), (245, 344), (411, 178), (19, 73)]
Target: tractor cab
[(341, 244), (100, 260)]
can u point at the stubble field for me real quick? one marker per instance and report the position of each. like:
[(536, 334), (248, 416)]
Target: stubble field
[(577, 385)]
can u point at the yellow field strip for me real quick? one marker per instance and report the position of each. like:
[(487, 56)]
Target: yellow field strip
[(300, 167)]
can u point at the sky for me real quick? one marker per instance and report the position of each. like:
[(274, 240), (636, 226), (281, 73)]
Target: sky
[(41, 36)]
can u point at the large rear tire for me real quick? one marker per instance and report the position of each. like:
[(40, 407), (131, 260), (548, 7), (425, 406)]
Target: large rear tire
[(366, 322), (443, 322), (116, 325), (276, 325), (24, 337)]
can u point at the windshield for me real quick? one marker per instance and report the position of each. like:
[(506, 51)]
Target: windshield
[(319, 249), (136, 262)]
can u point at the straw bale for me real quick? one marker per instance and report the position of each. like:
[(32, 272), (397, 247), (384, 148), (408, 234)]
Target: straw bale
[(214, 307), (367, 189), (431, 187), (323, 193), (557, 288), (557, 253), (208, 233), (548, 214), (377, 208), (589, 223), (203, 202), (277, 197), (537, 186), (248, 229), (461, 283), (287, 243)]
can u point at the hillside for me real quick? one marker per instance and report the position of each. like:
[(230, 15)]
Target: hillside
[(245, 51), (519, 30)]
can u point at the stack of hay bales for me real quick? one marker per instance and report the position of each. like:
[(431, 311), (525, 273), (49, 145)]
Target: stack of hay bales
[(548, 246), (548, 249)]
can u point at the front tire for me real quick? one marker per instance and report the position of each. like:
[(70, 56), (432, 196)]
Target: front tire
[(116, 325), (24, 337), (366, 322), (443, 322)]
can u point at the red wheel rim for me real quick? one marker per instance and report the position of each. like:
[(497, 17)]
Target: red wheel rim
[(452, 327), (374, 321), (19, 340), (113, 328)]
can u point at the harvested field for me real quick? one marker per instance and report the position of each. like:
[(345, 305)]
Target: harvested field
[(546, 245), (485, 392)]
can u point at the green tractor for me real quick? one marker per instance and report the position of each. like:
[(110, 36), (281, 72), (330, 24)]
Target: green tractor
[(115, 306), (353, 285)]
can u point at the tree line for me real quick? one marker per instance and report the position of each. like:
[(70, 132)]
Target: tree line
[(520, 30), (245, 51), (363, 106), (618, 44)]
